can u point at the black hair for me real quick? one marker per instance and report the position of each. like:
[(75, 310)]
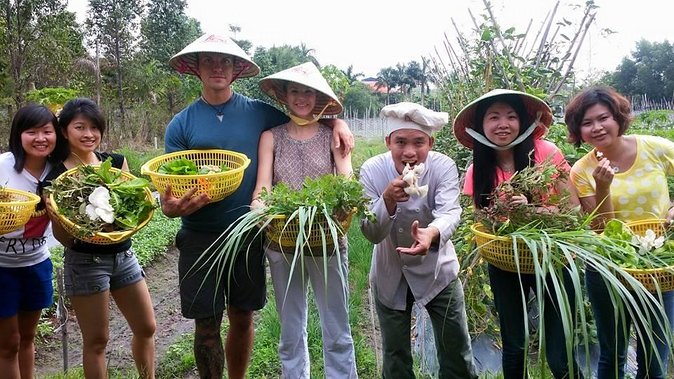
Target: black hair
[(28, 117), (484, 157), (81, 106)]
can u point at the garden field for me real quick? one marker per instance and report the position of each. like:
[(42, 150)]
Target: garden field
[(154, 247)]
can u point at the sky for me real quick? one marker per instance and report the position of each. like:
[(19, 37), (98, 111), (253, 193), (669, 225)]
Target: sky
[(374, 34)]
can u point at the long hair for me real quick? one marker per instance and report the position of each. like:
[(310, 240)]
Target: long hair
[(28, 117), (484, 157)]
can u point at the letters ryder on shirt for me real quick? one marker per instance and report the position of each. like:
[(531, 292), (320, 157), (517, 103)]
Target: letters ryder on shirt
[(30, 237)]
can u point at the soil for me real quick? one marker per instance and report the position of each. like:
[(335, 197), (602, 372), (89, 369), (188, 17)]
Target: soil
[(162, 280)]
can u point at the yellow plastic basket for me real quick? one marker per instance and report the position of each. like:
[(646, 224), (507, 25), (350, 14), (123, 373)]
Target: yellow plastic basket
[(498, 250), (664, 276), (100, 238), (284, 234), (217, 186), (16, 208)]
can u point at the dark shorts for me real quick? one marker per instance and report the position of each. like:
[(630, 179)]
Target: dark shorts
[(88, 273), (26, 289), (206, 283)]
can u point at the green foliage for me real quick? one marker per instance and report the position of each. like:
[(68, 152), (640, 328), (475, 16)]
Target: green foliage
[(366, 149), (360, 101), (178, 359), (658, 119), (135, 158), (42, 40), (166, 30), (336, 79), (537, 183), (332, 193), (153, 240), (51, 95), (648, 72), (495, 57)]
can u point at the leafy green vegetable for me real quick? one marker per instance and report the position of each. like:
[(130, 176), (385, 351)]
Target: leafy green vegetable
[(334, 193), (184, 166), (631, 251), (128, 198)]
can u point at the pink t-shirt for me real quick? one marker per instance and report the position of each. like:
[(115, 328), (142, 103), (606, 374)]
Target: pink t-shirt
[(542, 150)]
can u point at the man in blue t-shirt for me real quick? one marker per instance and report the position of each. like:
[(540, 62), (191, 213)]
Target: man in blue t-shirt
[(221, 119)]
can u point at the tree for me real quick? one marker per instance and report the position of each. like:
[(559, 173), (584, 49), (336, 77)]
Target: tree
[(337, 80), (273, 60), (39, 40), (166, 30), (539, 62), (388, 78), (351, 76), (648, 72), (360, 101), (405, 81), (113, 26)]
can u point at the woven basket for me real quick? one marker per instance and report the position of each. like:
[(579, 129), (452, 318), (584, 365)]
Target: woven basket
[(285, 234), (17, 208), (217, 185), (100, 238), (664, 276), (498, 251)]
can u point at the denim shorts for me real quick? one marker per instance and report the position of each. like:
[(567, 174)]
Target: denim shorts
[(205, 289), (89, 273), (26, 288)]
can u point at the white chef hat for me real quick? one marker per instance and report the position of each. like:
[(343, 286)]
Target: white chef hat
[(407, 115)]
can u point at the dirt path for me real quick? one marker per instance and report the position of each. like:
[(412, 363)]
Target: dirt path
[(163, 283)]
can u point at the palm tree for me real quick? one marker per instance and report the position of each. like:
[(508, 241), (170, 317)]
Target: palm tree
[(388, 78), (351, 76), (307, 53)]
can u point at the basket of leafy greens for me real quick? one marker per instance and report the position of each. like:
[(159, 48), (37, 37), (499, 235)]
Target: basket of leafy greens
[(316, 215), (647, 252), (507, 233), (217, 173), (300, 222), (16, 207), (101, 204)]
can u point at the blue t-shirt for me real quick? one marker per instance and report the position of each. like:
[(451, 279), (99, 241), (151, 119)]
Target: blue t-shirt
[(198, 127)]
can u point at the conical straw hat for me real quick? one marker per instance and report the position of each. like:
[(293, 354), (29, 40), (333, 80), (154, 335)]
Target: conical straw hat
[(306, 74), (186, 61), (533, 105)]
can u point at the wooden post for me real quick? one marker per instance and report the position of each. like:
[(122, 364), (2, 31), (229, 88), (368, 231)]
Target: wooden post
[(62, 314)]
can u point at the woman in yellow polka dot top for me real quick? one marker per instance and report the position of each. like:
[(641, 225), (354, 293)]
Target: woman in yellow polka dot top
[(623, 177)]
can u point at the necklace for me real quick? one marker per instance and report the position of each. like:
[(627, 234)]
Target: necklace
[(218, 111)]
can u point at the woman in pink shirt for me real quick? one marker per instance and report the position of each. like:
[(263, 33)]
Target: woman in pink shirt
[(504, 129)]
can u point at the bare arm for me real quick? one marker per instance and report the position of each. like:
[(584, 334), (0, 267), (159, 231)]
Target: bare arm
[(341, 135), (60, 234), (342, 162), (600, 203), (265, 167)]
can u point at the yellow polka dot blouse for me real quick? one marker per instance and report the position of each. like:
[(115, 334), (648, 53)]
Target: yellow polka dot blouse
[(639, 192)]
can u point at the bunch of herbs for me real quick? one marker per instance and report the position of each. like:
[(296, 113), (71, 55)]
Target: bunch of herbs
[(546, 209)]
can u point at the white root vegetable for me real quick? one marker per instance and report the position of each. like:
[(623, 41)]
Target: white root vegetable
[(411, 177)]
